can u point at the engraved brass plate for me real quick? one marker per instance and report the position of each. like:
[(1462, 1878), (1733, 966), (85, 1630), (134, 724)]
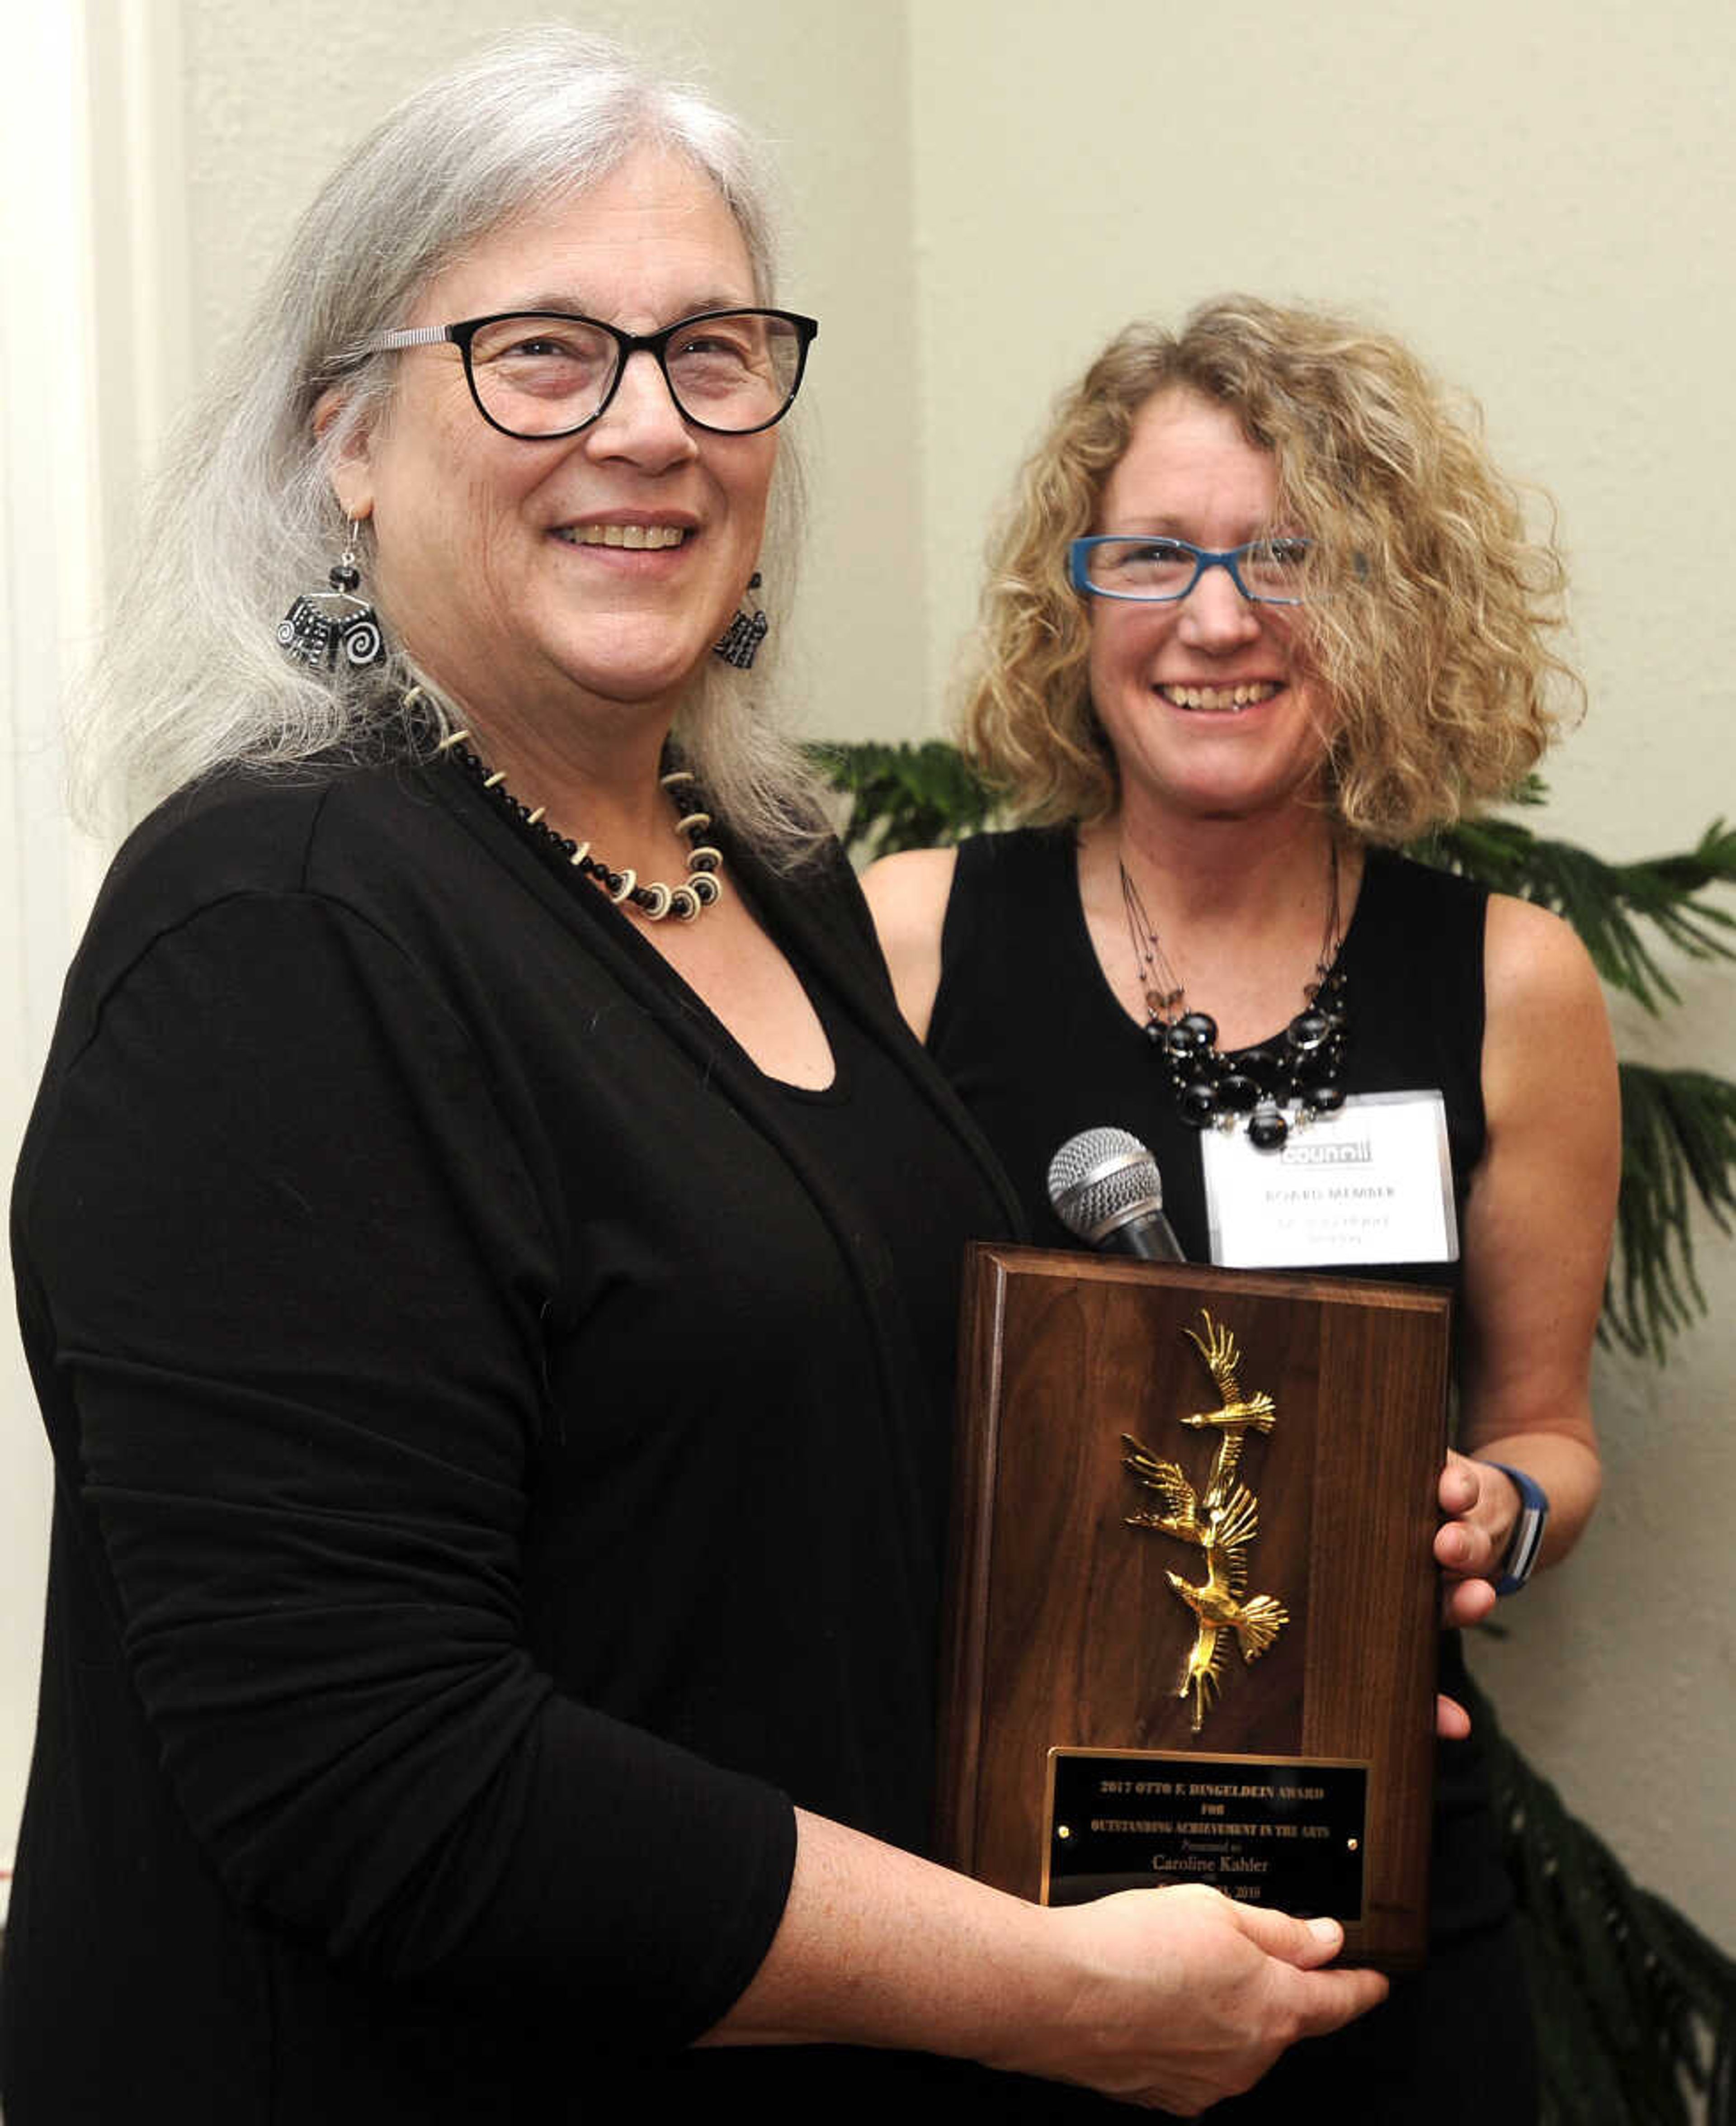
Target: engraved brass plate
[(1285, 1831)]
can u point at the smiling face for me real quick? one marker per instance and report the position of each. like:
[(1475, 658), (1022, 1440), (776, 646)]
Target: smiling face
[(590, 574), (1207, 702)]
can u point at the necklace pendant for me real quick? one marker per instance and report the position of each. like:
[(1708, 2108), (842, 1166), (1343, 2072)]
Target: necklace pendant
[(1307, 1031), (1237, 1094), (1192, 1040), (1197, 1105), (1298, 1070)]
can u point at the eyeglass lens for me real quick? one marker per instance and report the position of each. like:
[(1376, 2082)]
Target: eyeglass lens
[(1273, 570), (547, 375)]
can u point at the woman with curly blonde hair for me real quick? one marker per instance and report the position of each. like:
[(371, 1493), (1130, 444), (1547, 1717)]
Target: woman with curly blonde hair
[(1433, 647), (1263, 609)]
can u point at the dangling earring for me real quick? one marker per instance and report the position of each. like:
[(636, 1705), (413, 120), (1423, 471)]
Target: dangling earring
[(323, 626), (738, 644)]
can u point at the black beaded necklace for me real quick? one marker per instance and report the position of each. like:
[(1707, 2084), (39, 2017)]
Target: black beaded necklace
[(702, 888), (1299, 1071)]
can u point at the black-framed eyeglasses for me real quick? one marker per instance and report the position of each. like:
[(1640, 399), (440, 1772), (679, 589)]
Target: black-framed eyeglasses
[(1159, 571), (541, 373)]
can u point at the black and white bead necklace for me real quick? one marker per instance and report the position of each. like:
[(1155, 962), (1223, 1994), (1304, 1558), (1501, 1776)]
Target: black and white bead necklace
[(1298, 1072), (701, 889)]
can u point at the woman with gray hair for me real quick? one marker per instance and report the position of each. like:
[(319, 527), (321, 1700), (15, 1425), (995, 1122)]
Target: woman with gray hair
[(486, 1247)]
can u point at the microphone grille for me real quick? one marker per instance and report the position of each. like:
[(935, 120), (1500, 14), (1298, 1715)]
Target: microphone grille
[(1097, 1177)]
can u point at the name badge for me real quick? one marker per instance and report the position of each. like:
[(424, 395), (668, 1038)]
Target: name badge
[(1372, 1184)]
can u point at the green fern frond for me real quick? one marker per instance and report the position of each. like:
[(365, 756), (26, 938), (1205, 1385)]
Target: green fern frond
[(1607, 903), (1636, 2007), (1679, 1140), (903, 796)]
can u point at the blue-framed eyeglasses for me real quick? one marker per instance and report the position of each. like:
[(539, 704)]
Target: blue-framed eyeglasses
[(539, 375), (1160, 571)]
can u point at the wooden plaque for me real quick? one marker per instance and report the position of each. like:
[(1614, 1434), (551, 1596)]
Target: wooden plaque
[(1300, 1514)]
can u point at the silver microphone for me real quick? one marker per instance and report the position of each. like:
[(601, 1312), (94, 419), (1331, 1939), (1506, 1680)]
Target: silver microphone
[(1105, 1188)]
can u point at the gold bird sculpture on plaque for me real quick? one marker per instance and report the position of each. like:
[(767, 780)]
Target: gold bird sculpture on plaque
[(1222, 1604), (1222, 1523), (1179, 1516), (1237, 1412)]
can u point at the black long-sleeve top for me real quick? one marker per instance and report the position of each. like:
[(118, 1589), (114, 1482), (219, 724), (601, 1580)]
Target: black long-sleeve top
[(502, 1445)]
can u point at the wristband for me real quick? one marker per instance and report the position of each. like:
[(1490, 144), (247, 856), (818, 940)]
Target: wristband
[(1527, 1537)]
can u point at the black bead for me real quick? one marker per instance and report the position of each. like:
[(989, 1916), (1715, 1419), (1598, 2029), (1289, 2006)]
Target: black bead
[(1308, 1030), (1323, 1099), (1237, 1094), (343, 577), (1262, 1066), (1201, 1029), (1197, 1105), (1267, 1129)]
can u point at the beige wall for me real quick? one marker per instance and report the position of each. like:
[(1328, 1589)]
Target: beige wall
[(1536, 195)]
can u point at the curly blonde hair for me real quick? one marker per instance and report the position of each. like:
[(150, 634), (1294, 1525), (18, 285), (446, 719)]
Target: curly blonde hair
[(1433, 647)]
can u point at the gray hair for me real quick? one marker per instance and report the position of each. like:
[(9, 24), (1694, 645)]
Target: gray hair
[(244, 517)]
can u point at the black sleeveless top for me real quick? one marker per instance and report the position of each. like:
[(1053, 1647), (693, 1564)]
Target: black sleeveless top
[(1038, 1048)]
